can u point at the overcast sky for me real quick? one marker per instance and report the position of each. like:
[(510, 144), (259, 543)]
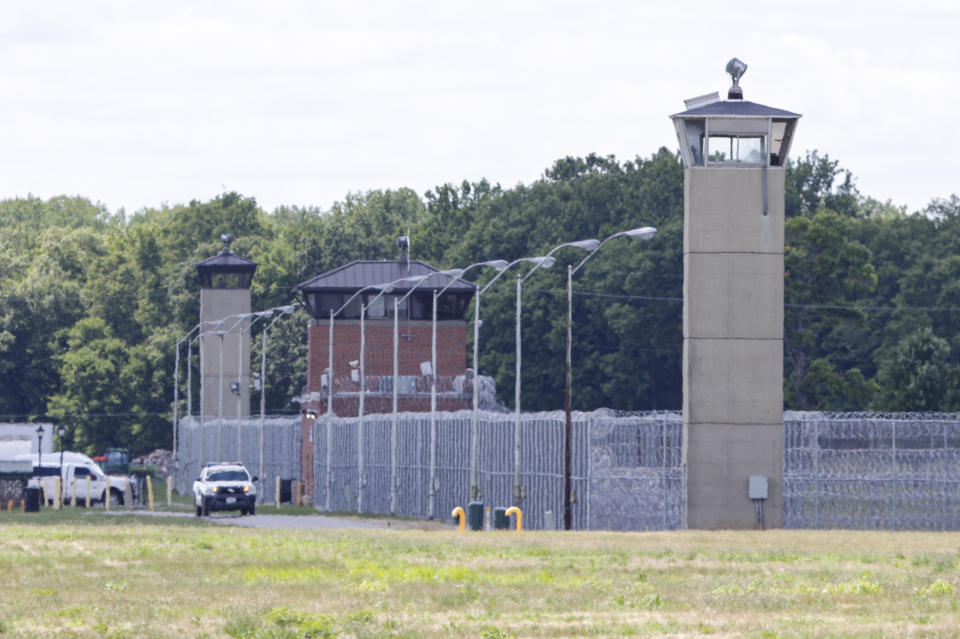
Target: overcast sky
[(136, 104)]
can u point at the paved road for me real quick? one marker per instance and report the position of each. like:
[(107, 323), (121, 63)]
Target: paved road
[(297, 522)]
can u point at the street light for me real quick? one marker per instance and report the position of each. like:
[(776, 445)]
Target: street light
[(383, 288), (361, 470), (254, 318), (544, 261), (645, 233), (61, 431), (416, 281), (586, 245), (333, 315), (176, 391), (203, 382), (431, 491), (39, 446), (281, 311), (240, 318)]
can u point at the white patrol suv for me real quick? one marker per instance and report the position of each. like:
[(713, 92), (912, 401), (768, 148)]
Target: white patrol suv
[(225, 486)]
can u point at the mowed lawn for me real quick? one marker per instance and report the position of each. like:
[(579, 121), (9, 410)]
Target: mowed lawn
[(78, 574)]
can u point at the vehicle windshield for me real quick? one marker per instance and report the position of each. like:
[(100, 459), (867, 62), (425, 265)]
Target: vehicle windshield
[(228, 475)]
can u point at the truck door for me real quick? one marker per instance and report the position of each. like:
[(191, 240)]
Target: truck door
[(80, 474)]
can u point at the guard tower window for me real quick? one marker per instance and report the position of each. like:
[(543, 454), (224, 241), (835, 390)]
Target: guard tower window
[(736, 149)]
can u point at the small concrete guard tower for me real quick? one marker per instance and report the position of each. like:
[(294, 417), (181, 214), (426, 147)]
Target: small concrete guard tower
[(225, 293), (734, 153)]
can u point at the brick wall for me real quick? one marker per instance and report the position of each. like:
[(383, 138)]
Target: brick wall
[(414, 345)]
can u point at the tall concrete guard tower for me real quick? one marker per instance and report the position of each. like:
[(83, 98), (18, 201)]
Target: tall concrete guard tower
[(734, 153), (225, 293)]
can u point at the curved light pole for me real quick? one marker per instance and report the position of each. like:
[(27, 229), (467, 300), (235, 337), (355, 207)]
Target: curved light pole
[(645, 233), (546, 262), (383, 288), (221, 334), (254, 318), (363, 392), (176, 392), (417, 281), (333, 313), (281, 311), (432, 488), (203, 382), (586, 245)]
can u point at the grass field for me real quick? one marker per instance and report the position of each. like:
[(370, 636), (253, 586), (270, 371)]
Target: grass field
[(76, 574)]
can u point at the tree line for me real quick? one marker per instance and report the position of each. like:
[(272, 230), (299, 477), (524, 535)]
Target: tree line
[(92, 302)]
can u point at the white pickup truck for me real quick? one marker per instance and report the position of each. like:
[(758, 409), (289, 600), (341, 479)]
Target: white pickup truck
[(225, 486), (77, 468)]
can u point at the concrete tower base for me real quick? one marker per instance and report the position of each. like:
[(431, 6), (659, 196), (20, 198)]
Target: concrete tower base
[(732, 343)]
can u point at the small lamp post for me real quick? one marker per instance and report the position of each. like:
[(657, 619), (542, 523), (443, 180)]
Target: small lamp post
[(62, 432), (39, 446)]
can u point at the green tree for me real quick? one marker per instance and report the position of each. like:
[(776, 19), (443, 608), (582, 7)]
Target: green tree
[(917, 375), (826, 273)]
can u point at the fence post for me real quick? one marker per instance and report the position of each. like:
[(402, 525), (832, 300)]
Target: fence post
[(329, 464), (893, 462), (946, 478), (589, 487), (663, 470), (816, 474)]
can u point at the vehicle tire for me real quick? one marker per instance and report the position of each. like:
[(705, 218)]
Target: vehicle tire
[(116, 498), (252, 510), (243, 512), (199, 511), (206, 507)]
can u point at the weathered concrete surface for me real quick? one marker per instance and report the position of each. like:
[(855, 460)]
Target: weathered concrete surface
[(216, 304), (732, 343)]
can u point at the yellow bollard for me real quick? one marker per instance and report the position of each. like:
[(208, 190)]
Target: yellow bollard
[(23, 505), (296, 491), (169, 491), (57, 492), (462, 516), (73, 492), (87, 502), (10, 506), (513, 510), (106, 495), (150, 492), (278, 492)]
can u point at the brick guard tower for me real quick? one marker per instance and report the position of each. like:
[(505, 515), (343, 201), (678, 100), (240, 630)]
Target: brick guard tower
[(329, 291)]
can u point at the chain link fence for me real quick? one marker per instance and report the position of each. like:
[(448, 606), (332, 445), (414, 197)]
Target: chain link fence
[(626, 470), (277, 437), (843, 470), (872, 471)]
